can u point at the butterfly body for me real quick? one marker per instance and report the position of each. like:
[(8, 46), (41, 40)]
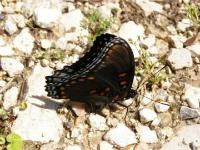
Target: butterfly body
[(105, 74)]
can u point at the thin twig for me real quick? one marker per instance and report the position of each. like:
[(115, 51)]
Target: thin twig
[(7, 86)]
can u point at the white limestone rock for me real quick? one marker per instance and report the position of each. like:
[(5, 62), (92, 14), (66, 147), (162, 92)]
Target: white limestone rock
[(185, 137), (180, 58), (40, 113), (46, 17), (147, 98), (195, 48), (73, 147), (192, 96), (72, 19), (24, 41), (12, 66), (10, 97), (161, 107), (147, 115), (97, 122), (146, 135), (10, 26), (121, 136), (45, 43), (130, 31), (6, 50), (105, 146), (149, 6), (184, 24)]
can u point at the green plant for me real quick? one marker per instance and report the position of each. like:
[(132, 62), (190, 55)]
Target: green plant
[(2, 140), (193, 13), (22, 105), (96, 24), (15, 142), (147, 70), (3, 114), (52, 54)]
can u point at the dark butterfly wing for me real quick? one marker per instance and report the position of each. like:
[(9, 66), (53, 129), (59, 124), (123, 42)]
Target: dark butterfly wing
[(104, 74)]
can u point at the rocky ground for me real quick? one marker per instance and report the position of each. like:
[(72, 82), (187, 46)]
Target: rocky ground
[(39, 36)]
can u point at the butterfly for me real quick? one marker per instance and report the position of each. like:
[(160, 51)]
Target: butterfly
[(103, 75)]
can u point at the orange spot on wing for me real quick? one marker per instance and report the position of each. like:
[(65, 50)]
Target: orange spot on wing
[(123, 82), (122, 75)]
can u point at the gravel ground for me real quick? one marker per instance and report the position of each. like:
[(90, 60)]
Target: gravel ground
[(40, 36)]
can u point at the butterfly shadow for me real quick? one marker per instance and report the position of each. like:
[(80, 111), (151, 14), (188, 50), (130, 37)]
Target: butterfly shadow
[(48, 103)]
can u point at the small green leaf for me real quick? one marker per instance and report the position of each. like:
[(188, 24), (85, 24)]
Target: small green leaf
[(22, 105), (15, 141), (2, 140)]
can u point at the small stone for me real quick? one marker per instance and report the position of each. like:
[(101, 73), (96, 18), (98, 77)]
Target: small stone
[(195, 145), (153, 50), (12, 66), (45, 43), (192, 96), (1, 8), (10, 26), (73, 147), (147, 98), (184, 24), (177, 41), (169, 132), (165, 119), (105, 111), (6, 51), (79, 109), (166, 84), (127, 102), (180, 58), (10, 98), (112, 122), (2, 41), (75, 132), (195, 48), (149, 41), (105, 146), (20, 20), (141, 146), (60, 65), (44, 62), (149, 6), (155, 122), (161, 107), (2, 83), (146, 135), (51, 145), (171, 29), (62, 42), (24, 41), (184, 138), (147, 115), (69, 21), (161, 95), (189, 113), (97, 122), (165, 133), (186, 1), (105, 11), (46, 17), (120, 135), (130, 31), (46, 123)]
